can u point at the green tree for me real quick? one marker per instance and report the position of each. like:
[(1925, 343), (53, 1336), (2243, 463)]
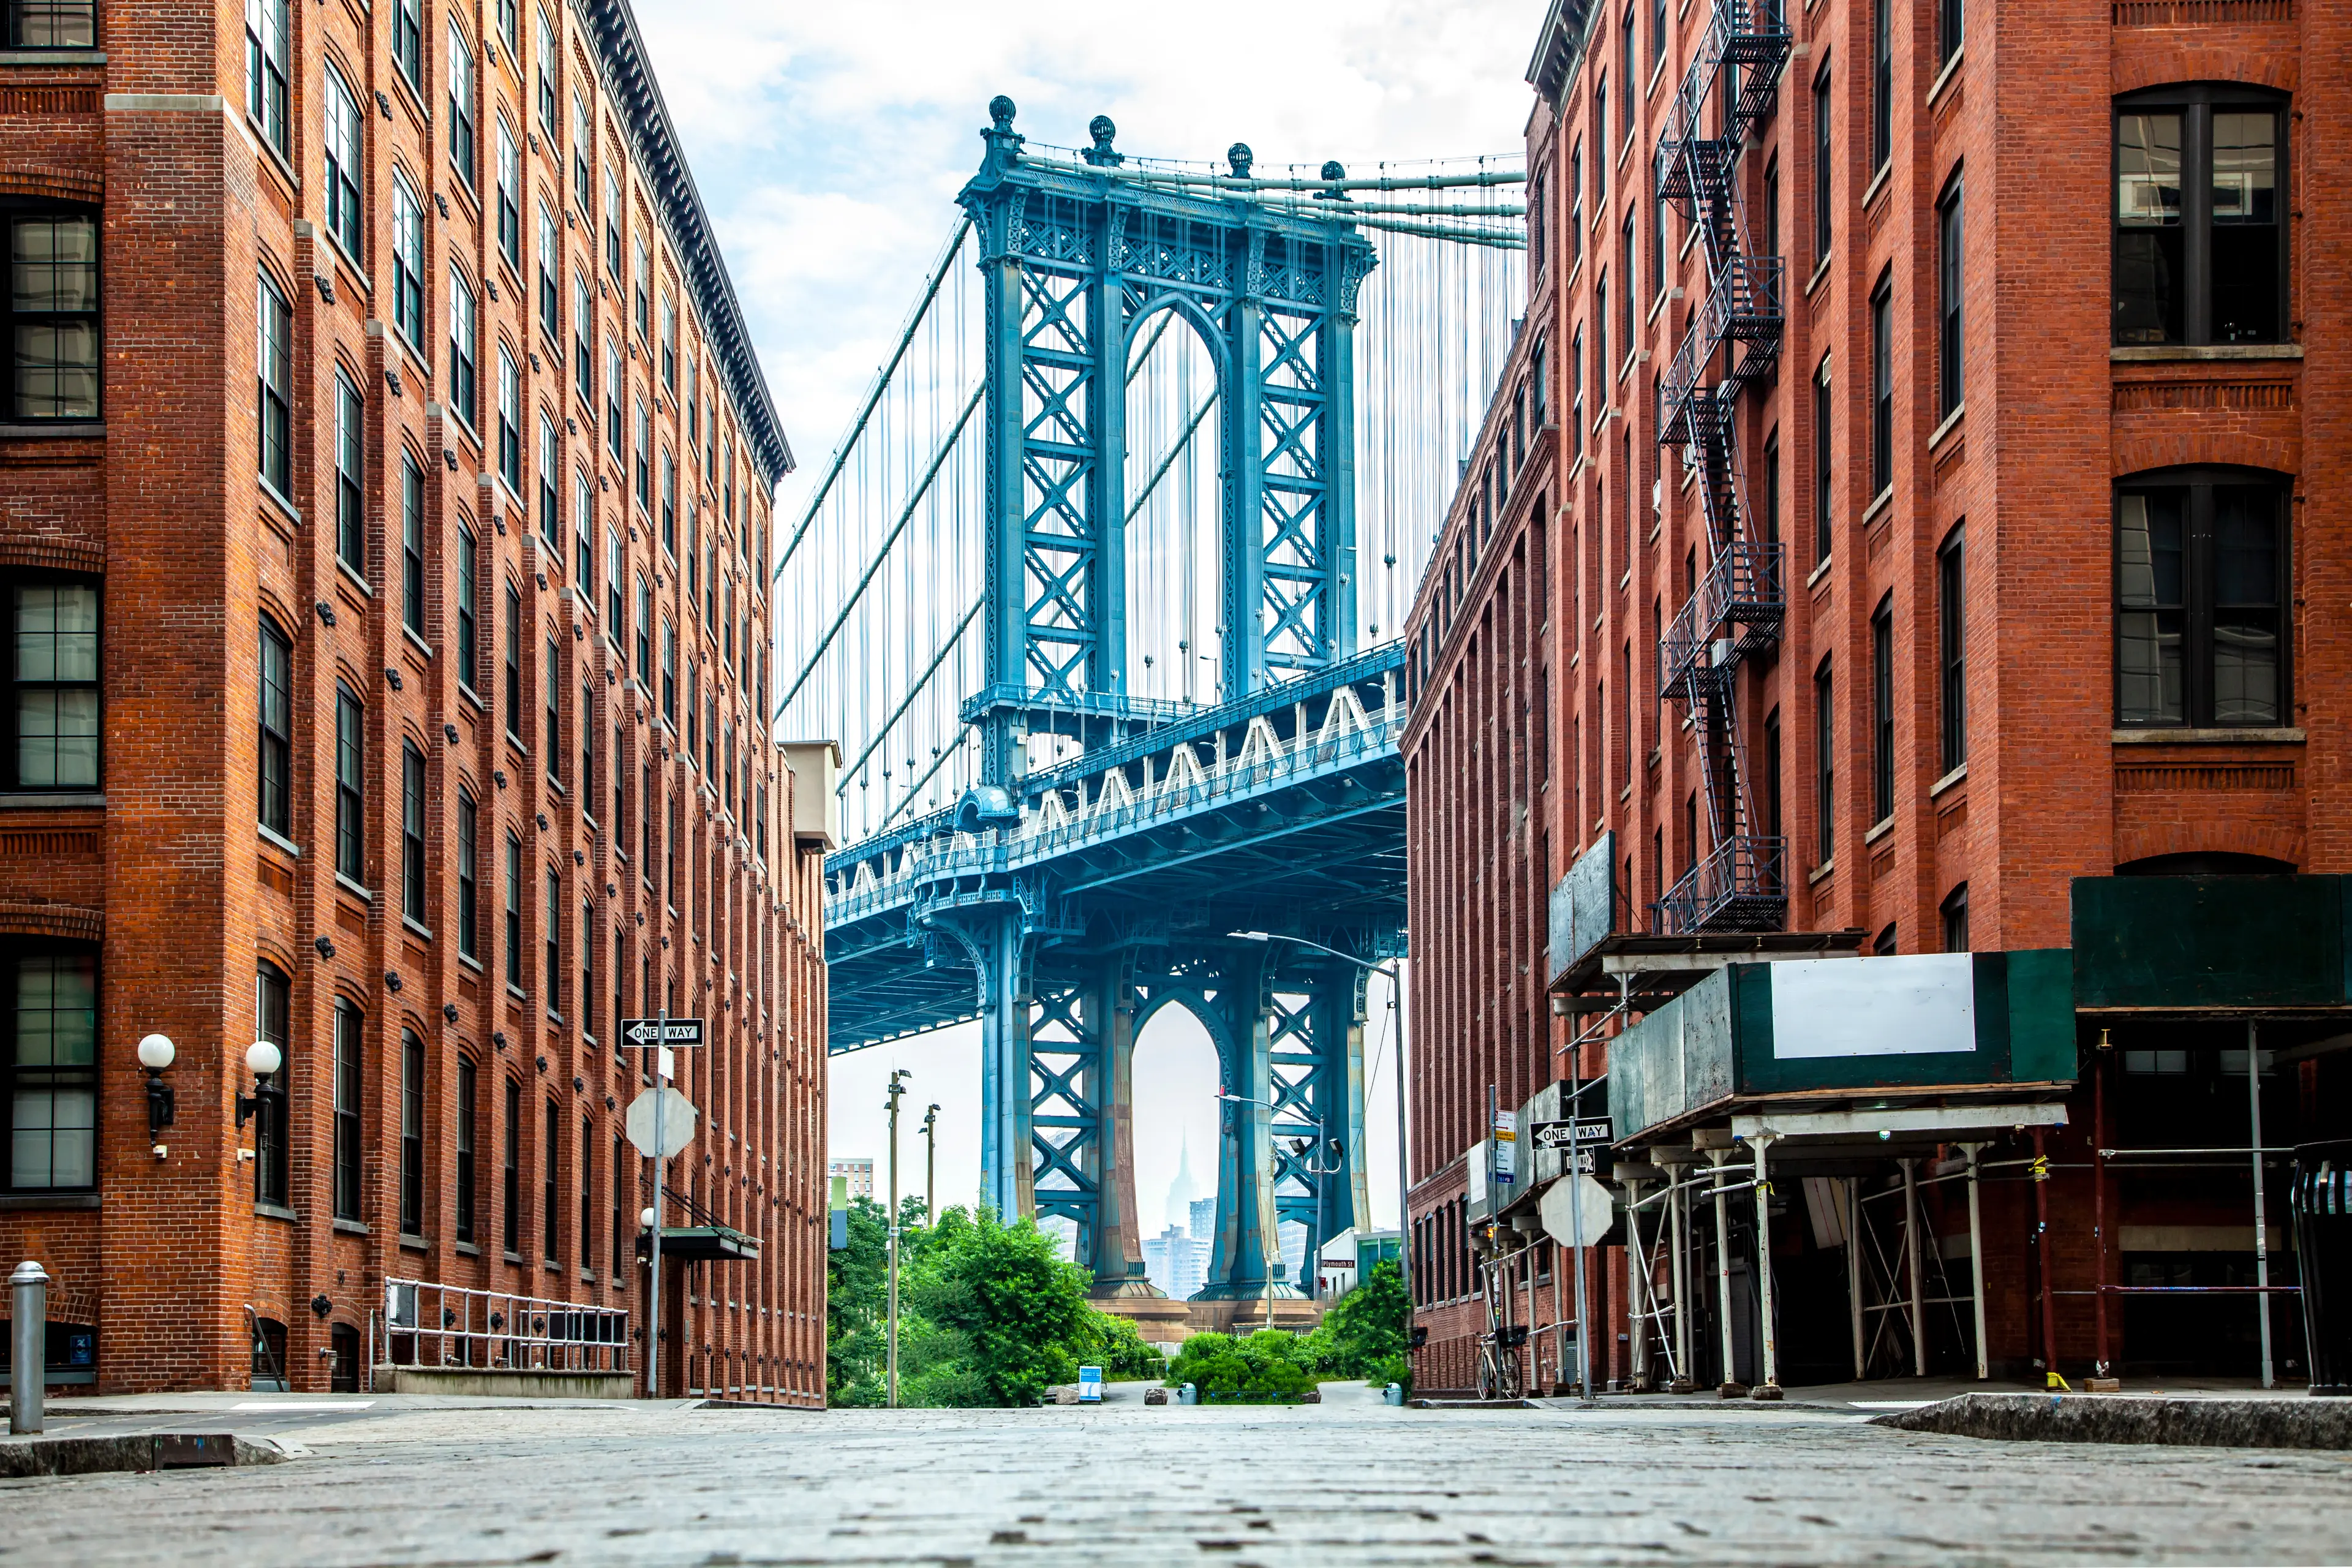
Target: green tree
[(857, 1295), (1368, 1325), (1016, 1303), (1272, 1363)]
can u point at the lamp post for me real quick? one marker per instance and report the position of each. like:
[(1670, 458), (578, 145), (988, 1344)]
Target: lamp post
[(897, 1088), (931, 1166), (156, 1052), (1387, 968)]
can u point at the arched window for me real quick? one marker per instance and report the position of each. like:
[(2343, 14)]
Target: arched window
[(2200, 248)]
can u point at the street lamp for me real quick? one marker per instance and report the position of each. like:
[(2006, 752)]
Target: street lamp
[(1387, 967), (262, 1059), (156, 1053), (897, 1088)]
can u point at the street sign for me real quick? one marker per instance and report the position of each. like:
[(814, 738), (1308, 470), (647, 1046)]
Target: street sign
[(1505, 1147), (654, 1032), (1572, 1198), (677, 1119), (1555, 1134)]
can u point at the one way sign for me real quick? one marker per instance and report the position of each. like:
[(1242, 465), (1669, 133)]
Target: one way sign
[(654, 1032)]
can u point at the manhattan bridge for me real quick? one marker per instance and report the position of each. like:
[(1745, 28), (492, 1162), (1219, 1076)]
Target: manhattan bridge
[(1101, 592)]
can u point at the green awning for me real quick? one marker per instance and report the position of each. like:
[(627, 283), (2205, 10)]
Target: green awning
[(2210, 944)]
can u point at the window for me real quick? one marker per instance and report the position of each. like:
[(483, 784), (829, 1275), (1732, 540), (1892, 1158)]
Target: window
[(412, 1133), (511, 419), (272, 991), (1633, 76), (2199, 254), (645, 456), (1882, 84), (508, 26), (644, 631), (53, 669), (1951, 31), (265, 28), (613, 390), (52, 24), (408, 40), (584, 149), (552, 1165), (542, 40), (412, 832), (1626, 271), (469, 1082), (1955, 911), (514, 912), (273, 376), (277, 740), (584, 527), (412, 545), (613, 227), (551, 262), (1773, 828), (514, 663), (461, 103), (583, 340), (643, 281), (470, 829), (52, 305), (510, 1172), (587, 746), (669, 343), (510, 197), (1600, 139), (1882, 711), (553, 724), (587, 1193), (620, 1206), (670, 503), (670, 673), (350, 494), (614, 607), (587, 999), (350, 825), (345, 142), (468, 612), (1825, 769), (1950, 305), (1822, 202), (52, 1037), (1951, 617), (2200, 582), (1576, 395), (1771, 209), (1601, 340), (348, 1083), (1823, 409), (1882, 385), (1772, 486), (462, 349), (408, 262)]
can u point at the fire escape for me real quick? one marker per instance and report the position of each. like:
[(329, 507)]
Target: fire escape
[(1738, 606)]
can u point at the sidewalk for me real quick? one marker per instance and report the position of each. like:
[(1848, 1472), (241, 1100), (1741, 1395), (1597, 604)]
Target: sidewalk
[(1912, 1392)]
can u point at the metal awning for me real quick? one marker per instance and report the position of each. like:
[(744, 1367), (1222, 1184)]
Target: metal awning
[(708, 1243), (1950, 1124)]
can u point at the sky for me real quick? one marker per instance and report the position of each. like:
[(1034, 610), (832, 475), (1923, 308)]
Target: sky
[(828, 141)]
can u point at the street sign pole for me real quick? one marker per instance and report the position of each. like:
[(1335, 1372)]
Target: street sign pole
[(1576, 1232), (653, 1308)]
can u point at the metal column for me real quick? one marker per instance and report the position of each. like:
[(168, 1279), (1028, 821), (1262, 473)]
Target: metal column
[(2261, 1236), (1911, 1267), (1769, 1387), (1730, 1380), (1975, 1261), (1854, 1271)]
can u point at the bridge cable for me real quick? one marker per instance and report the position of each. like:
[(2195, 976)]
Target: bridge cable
[(913, 691)]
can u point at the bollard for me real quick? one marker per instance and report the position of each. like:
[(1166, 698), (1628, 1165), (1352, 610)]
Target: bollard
[(28, 1345)]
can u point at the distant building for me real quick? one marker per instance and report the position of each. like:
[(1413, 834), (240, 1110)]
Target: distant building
[(858, 1172), (1204, 1220), (1175, 1262)]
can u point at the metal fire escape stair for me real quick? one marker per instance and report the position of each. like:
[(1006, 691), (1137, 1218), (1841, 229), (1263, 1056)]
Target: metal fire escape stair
[(1738, 606)]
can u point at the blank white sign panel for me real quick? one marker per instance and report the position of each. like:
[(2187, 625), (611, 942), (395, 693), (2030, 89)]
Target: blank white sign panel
[(1918, 1004)]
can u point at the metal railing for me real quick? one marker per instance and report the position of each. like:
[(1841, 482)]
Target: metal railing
[(428, 1325), (1736, 887)]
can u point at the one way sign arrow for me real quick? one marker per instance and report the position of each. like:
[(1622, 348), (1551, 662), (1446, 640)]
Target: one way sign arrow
[(676, 1032)]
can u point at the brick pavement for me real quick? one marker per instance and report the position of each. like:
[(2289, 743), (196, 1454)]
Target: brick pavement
[(1346, 1483)]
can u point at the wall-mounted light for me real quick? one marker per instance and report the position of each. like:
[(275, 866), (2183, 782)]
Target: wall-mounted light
[(262, 1060), (155, 1054)]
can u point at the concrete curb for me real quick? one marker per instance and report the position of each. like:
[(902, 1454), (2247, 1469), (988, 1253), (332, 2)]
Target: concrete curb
[(149, 1451), (2133, 1418)]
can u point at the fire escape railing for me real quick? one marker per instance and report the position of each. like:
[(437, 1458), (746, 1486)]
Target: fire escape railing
[(1738, 607)]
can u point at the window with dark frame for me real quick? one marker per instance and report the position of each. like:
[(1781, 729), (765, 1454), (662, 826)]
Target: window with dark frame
[(345, 150), (53, 675), (514, 912), (347, 1096), (469, 875), (1955, 911), (621, 1232), (1823, 204), (551, 720), (350, 827), (1882, 84), (1951, 279), (550, 1204), (52, 306), (272, 995), (463, 347), (468, 612), (1951, 618), (408, 40), (514, 664), (510, 419), (1772, 486), (587, 1193), (267, 31), (551, 264), (1882, 387), (509, 196), (2200, 250), (412, 832), (461, 104), (1824, 767), (274, 381), (1823, 492), (2201, 582), (1882, 711), (276, 743), (350, 477), (408, 262), (1951, 30), (51, 1025), (411, 544), (412, 1133), (52, 24), (468, 1113), (511, 1173)]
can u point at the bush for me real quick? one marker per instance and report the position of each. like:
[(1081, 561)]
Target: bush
[(1271, 1363), (1396, 1369)]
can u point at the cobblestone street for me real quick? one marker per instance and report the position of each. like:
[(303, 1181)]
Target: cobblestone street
[(1350, 1481)]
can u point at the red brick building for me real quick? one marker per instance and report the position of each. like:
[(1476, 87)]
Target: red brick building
[(386, 549), (1921, 548)]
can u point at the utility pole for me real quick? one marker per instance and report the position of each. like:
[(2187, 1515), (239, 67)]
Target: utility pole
[(897, 1088), (931, 1166)]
